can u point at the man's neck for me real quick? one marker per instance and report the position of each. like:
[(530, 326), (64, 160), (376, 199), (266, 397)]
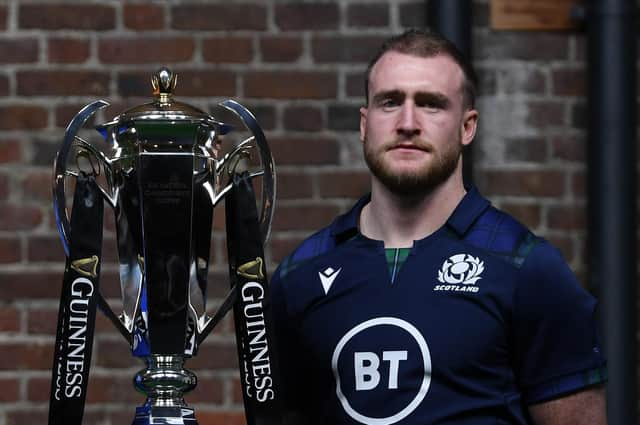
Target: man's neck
[(399, 220)]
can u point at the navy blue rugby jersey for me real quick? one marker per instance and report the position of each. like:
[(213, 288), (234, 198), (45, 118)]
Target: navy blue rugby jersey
[(482, 320)]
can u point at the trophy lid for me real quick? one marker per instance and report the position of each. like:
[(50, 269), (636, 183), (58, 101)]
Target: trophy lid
[(164, 107)]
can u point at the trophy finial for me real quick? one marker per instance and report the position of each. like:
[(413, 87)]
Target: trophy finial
[(163, 82)]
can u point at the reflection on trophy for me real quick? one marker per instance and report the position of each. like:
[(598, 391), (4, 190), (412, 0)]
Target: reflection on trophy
[(163, 174)]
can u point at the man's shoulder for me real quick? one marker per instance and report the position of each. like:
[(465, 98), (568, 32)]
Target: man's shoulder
[(343, 228), (501, 234), (318, 244)]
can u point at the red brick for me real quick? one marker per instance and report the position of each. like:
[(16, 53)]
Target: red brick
[(569, 82), (220, 17), (76, 16), (283, 246), (215, 355), (19, 50), (27, 355), (26, 415), (38, 389), (526, 149), (528, 214), (368, 15), (143, 16), (281, 48), (344, 184), (68, 50), (488, 81), (104, 326), (567, 217), (304, 217), (9, 319), (294, 185), (570, 147), (30, 285), (65, 113), (3, 18), (579, 115), (522, 79), (346, 49), (236, 391), (114, 354), (37, 186), (121, 415), (4, 86), (521, 45), (578, 184), (45, 249), (413, 14), (311, 16), (42, 321), (190, 83), (220, 418), (34, 284), (4, 187), (525, 183), (10, 250), (62, 83), (291, 85), (145, 50), (18, 117), (10, 390), (209, 390), (344, 117), (303, 118), (355, 85), (19, 217), (227, 49), (304, 150), (545, 113), (265, 114), (113, 389)]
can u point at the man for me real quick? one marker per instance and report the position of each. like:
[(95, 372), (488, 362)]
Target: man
[(424, 304)]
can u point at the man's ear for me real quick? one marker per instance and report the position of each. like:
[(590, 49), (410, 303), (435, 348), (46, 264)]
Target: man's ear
[(469, 126), (363, 123)]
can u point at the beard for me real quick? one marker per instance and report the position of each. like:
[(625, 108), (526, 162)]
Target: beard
[(424, 180)]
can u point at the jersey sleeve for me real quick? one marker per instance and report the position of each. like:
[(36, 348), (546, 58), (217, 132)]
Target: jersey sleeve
[(557, 348)]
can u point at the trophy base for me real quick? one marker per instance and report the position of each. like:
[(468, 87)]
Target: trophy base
[(164, 415)]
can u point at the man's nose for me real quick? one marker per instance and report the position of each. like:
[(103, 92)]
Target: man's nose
[(407, 120)]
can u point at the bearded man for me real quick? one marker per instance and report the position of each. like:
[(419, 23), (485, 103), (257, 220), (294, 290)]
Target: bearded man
[(424, 304)]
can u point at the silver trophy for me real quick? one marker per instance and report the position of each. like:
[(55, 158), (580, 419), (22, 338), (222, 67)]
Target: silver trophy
[(163, 174)]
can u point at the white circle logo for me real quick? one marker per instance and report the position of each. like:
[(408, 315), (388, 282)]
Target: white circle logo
[(426, 364)]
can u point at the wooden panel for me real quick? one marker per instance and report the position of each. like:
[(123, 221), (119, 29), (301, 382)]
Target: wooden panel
[(532, 14)]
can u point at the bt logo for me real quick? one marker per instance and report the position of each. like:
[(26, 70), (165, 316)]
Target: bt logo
[(382, 369), (366, 366)]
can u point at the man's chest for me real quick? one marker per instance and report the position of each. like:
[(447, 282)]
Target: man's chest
[(445, 318)]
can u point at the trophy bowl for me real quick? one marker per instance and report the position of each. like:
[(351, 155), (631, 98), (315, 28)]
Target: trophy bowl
[(162, 172)]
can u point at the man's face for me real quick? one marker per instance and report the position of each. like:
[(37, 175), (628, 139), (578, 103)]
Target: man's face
[(415, 124)]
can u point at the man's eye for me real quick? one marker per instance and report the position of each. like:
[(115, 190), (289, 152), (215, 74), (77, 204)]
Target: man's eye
[(431, 105), (389, 103)]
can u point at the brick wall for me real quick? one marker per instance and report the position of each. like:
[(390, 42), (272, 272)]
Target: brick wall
[(298, 66)]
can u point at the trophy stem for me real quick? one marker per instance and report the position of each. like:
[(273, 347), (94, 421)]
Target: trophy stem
[(164, 381)]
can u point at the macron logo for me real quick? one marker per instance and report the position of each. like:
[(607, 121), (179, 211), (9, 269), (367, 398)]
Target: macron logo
[(327, 277)]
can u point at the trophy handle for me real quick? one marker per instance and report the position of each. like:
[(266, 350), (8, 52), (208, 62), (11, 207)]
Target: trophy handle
[(268, 172), (60, 168), (59, 196)]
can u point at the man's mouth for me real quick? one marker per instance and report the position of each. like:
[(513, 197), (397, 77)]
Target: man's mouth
[(410, 146)]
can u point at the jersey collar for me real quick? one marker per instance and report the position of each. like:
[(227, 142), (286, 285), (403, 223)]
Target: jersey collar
[(464, 215), (467, 212)]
